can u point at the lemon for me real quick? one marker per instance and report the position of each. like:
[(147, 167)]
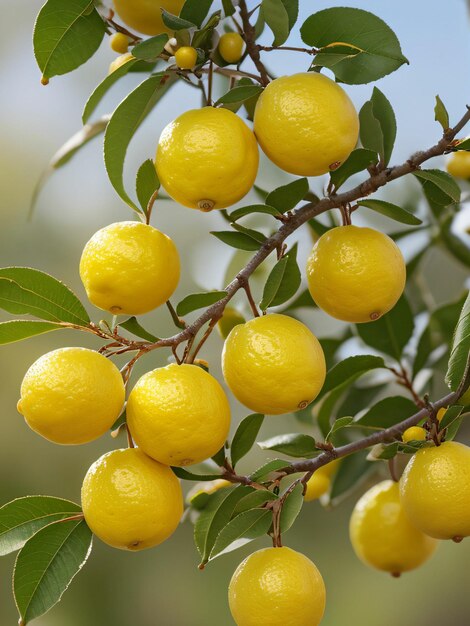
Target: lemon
[(231, 47), (207, 159), (119, 42), (458, 164), (320, 482), (178, 414), (273, 364), (356, 274), (306, 124), (382, 535), (277, 587), (119, 62), (230, 318), (435, 490), (441, 413), (146, 15), (71, 395), (129, 268), (415, 433), (130, 501), (186, 58)]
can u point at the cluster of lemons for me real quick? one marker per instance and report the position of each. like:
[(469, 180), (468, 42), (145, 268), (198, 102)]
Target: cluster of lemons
[(179, 415)]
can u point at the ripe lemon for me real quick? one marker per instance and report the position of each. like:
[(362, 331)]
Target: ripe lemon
[(207, 159), (277, 587), (458, 164), (356, 274), (129, 268), (320, 482), (231, 47), (435, 490), (145, 15), (130, 501), (382, 535), (71, 395), (178, 414), (415, 433), (119, 62), (273, 364), (186, 57), (119, 43), (306, 124)]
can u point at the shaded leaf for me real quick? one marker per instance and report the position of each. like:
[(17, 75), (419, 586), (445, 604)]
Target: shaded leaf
[(350, 369), (454, 244), (229, 9), (254, 500), (292, 507), (199, 301), (388, 412), (173, 22), (134, 327), (245, 436), (186, 475), (459, 354), (283, 281), (338, 424), (254, 234), (241, 530), (292, 9), (391, 210), (383, 113), (146, 183), (195, 11), (17, 330), (451, 414), (351, 472), (253, 208), (359, 160), (267, 468), (276, 17), (241, 241), (288, 196), (293, 444), (239, 94), (150, 49), (440, 114), (438, 186)]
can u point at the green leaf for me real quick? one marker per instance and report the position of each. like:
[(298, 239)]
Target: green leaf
[(349, 370), (370, 131), (150, 49), (134, 327), (359, 160), (22, 518), (124, 123), (146, 183), (195, 11), (283, 281), (379, 51), (27, 291), (245, 436), (462, 145), (328, 405), (454, 244), (239, 94), (241, 530), (253, 208), (440, 114), (202, 39), (237, 240), (459, 354), (174, 22), (254, 500), (229, 9), (352, 471), (451, 414), (391, 210), (185, 475), (288, 196), (383, 113), (342, 422), (293, 444), (388, 412), (17, 330), (66, 35), (267, 468), (47, 564), (438, 186), (423, 351), (199, 301), (292, 8), (389, 451), (292, 507), (254, 234), (277, 18)]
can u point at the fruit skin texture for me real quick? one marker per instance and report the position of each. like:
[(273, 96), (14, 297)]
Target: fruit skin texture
[(178, 414), (117, 63), (458, 165), (119, 43), (129, 268), (231, 47), (435, 490), (415, 433), (277, 587), (273, 364), (145, 15), (130, 501), (306, 124), (186, 58), (207, 159), (382, 535), (356, 274), (71, 395)]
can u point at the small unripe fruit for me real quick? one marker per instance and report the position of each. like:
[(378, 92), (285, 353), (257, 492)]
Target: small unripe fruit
[(415, 433), (186, 58), (119, 43), (458, 165), (231, 47)]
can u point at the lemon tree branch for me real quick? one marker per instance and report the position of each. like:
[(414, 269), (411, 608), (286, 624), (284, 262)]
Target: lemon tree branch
[(251, 45)]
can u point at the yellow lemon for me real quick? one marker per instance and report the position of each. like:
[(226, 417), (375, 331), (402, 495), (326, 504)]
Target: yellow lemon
[(277, 587), (119, 43), (415, 433), (441, 413), (71, 395), (273, 364), (382, 535), (230, 318), (186, 57), (129, 268), (319, 484), (435, 490), (146, 15), (178, 414), (207, 159), (231, 47), (130, 501), (119, 62), (356, 274), (306, 124), (458, 164)]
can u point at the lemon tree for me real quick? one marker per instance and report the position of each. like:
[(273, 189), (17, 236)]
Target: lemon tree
[(357, 400)]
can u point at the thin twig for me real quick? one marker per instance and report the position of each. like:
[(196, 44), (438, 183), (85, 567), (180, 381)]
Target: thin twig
[(251, 45), (291, 48)]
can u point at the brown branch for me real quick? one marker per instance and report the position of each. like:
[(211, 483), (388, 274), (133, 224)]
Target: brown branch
[(291, 48), (251, 45)]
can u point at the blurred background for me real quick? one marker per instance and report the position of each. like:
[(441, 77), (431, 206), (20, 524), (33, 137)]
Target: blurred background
[(163, 586)]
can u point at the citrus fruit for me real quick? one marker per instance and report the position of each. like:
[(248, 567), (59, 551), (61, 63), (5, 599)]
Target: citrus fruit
[(71, 395), (119, 62), (178, 414), (129, 268), (119, 43), (273, 364), (306, 124), (277, 587), (382, 535), (207, 158), (131, 501), (186, 58), (231, 47), (320, 482), (356, 274), (414, 433), (230, 318), (146, 15), (441, 413), (435, 490), (458, 164)]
